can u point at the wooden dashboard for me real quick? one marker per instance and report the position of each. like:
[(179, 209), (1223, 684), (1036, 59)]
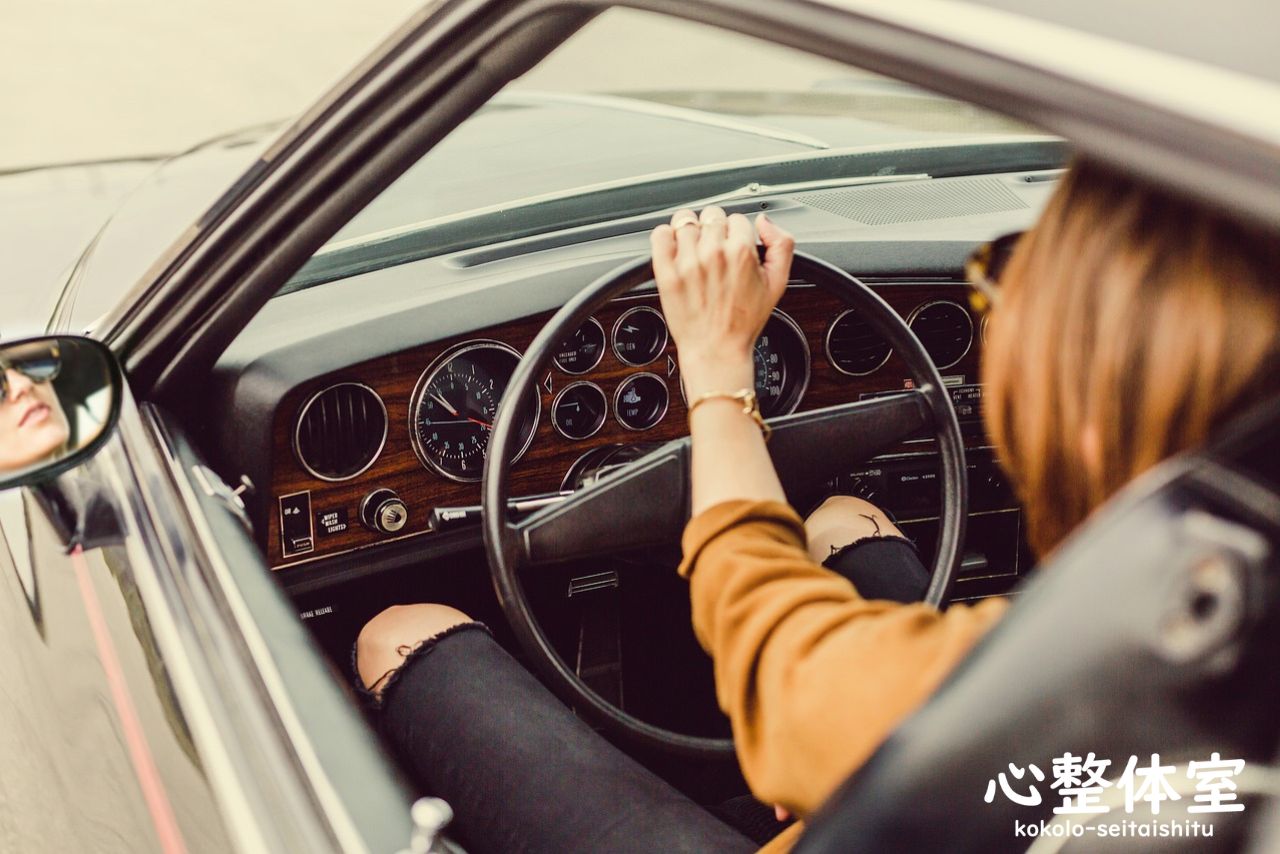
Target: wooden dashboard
[(334, 507)]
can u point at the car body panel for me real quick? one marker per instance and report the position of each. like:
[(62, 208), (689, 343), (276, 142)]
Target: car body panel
[(92, 721), (47, 217), (166, 705)]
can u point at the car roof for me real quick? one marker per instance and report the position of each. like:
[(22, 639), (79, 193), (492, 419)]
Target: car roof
[(1230, 34), (1183, 96), (1221, 69)]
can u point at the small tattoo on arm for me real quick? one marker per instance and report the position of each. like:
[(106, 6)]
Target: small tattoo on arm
[(873, 521)]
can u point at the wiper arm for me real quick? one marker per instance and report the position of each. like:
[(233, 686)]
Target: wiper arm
[(756, 189)]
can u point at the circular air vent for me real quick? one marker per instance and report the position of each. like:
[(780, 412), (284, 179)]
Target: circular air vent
[(945, 329), (340, 431), (854, 347)]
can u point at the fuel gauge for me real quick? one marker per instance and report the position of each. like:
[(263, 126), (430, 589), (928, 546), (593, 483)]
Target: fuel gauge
[(582, 351)]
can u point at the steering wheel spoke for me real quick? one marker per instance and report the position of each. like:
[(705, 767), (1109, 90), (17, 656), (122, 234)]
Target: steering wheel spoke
[(646, 503), (638, 505), (848, 434)]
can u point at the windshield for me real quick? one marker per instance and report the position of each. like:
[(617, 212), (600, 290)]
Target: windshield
[(641, 99)]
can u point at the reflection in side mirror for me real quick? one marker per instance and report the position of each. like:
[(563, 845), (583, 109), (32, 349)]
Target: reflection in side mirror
[(59, 399)]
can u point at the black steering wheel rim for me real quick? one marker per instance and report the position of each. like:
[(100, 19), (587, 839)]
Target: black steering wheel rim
[(502, 545)]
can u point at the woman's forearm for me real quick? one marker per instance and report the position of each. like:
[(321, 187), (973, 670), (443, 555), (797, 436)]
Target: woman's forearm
[(730, 459)]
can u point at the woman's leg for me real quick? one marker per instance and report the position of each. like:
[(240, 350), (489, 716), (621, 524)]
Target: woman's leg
[(858, 540), (521, 772)]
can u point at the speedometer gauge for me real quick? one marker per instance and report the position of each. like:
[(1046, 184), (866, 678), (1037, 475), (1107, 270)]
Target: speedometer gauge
[(454, 405), (781, 361)]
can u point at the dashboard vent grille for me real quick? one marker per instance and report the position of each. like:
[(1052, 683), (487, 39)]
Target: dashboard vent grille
[(340, 431), (888, 204), (945, 329), (853, 347)]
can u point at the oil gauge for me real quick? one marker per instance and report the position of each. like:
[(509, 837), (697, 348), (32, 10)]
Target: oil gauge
[(579, 410)]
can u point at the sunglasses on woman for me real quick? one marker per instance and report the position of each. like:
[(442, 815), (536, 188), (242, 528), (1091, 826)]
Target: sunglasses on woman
[(985, 267), (40, 365)]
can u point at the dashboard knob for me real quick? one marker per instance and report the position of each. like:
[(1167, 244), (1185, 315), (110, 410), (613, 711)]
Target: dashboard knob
[(383, 511)]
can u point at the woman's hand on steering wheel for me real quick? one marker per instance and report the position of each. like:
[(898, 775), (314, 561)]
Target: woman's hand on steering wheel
[(716, 292)]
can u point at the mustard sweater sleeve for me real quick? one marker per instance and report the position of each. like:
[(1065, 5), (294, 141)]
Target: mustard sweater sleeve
[(812, 676)]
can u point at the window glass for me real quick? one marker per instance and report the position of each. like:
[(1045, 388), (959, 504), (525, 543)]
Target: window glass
[(635, 98)]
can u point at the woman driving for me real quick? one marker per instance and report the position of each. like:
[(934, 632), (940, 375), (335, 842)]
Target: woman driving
[(1125, 327)]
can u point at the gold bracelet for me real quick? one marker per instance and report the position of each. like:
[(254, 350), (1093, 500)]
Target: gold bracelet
[(746, 396)]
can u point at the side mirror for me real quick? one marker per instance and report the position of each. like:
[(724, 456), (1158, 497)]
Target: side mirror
[(59, 401)]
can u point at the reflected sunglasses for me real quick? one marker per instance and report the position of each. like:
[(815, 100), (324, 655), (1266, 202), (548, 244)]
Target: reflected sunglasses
[(984, 268), (40, 365)]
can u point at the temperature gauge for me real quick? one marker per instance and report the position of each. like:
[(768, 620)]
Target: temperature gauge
[(641, 401)]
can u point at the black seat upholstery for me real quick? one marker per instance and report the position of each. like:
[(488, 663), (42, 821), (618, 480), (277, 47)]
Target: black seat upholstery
[(1153, 630)]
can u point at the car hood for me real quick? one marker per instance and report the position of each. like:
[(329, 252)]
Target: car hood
[(151, 217)]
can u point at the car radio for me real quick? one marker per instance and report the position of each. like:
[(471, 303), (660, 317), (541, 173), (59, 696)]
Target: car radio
[(909, 487)]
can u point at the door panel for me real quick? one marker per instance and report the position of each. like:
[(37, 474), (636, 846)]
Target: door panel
[(355, 788), (96, 753)]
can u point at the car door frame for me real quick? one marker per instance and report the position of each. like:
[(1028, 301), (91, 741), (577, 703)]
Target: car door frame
[(384, 117)]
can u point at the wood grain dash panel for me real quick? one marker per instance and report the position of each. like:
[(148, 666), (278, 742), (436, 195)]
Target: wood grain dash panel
[(549, 457)]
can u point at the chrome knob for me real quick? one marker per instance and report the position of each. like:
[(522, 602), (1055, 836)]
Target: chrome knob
[(384, 512)]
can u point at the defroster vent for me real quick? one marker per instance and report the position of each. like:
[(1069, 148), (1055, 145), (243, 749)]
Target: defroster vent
[(945, 329), (340, 431), (853, 347)]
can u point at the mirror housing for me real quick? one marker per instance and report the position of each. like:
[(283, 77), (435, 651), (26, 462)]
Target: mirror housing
[(60, 399)]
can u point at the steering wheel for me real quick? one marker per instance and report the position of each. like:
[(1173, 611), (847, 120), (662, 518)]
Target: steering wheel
[(646, 503)]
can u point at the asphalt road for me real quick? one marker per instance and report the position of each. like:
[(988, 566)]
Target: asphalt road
[(87, 79)]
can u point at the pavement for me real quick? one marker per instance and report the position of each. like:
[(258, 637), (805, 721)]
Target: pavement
[(87, 81)]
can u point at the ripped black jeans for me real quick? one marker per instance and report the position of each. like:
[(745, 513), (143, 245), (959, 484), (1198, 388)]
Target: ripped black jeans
[(523, 774)]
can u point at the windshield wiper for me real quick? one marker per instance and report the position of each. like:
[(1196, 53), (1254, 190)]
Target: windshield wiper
[(757, 190)]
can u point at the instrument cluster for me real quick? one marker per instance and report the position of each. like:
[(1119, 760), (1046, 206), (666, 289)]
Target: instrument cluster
[(456, 398), (396, 446)]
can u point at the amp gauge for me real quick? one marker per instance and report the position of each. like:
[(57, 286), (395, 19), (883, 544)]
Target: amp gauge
[(639, 336)]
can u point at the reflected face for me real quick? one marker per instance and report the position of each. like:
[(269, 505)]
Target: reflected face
[(33, 426)]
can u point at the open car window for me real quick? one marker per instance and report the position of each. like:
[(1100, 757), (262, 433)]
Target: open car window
[(645, 101)]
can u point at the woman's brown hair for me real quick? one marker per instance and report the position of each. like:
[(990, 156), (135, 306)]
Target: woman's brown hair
[(1131, 323)]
